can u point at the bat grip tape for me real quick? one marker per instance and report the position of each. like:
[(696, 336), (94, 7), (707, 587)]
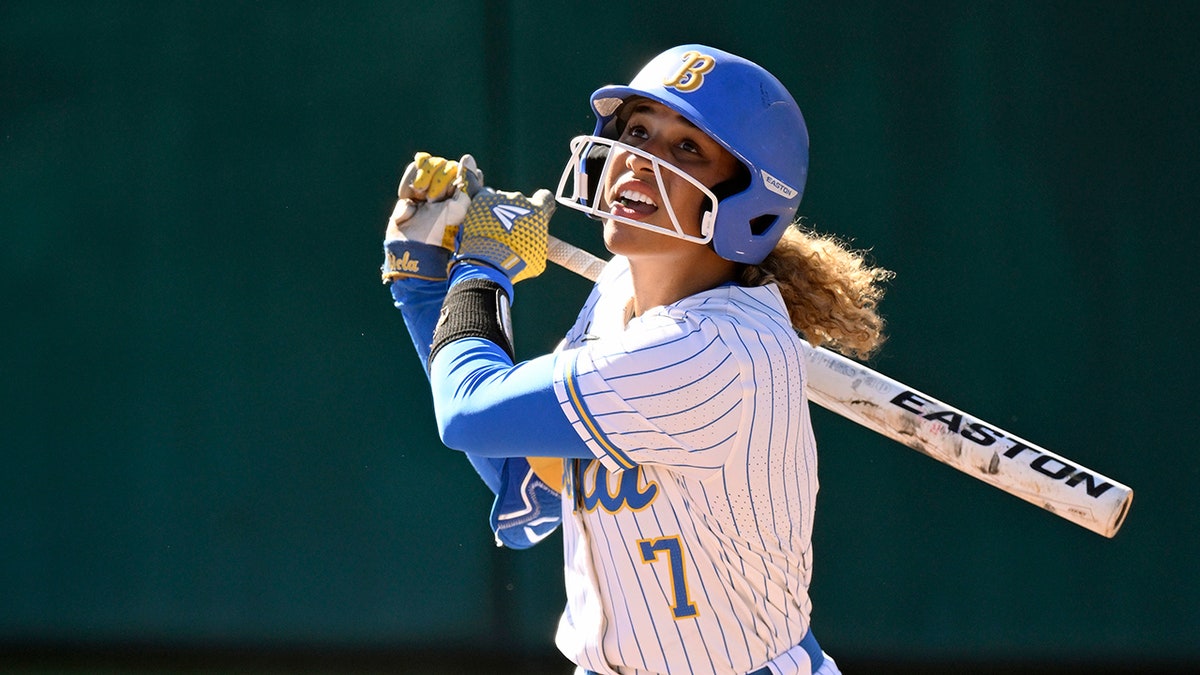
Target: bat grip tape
[(474, 308)]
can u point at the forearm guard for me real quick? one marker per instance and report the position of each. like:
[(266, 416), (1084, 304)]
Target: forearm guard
[(474, 308)]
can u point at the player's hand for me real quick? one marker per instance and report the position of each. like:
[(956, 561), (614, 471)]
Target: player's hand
[(432, 179), (506, 230), (422, 230)]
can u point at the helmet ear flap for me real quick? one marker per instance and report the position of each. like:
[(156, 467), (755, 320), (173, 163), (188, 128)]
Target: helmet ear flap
[(736, 183), (728, 187)]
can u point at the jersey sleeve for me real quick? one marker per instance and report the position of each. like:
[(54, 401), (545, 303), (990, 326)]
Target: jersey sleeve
[(669, 392)]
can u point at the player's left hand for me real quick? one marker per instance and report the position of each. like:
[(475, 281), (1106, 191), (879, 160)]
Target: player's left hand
[(506, 230), (422, 230)]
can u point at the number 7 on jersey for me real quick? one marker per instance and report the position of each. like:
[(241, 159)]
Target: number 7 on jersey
[(683, 608)]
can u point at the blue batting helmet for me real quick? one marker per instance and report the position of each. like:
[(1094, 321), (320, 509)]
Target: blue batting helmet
[(747, 111)]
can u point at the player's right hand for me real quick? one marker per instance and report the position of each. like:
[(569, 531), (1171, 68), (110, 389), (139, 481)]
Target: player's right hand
[(422, 230)]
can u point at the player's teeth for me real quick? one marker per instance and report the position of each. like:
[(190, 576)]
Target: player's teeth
[(631, 196)]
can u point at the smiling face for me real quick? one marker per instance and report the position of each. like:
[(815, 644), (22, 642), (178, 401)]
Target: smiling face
[(633, 189)]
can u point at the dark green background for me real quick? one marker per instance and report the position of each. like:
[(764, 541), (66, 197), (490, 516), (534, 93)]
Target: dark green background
[(215, 435)]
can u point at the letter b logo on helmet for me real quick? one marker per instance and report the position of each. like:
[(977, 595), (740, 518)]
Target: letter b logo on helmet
[(690, 75)]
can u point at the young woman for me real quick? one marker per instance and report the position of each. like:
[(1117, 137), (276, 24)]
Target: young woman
[(669, 433)]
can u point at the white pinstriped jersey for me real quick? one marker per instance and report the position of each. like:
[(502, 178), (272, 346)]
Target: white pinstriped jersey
[(688, 541)]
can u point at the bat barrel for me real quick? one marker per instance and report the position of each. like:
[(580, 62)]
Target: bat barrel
[(951, 436)]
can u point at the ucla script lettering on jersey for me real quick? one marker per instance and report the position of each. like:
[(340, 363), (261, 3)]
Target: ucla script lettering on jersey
[(594, 488)]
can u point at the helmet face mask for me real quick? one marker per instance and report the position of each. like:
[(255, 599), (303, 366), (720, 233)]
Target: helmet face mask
[(736, 103), (585, 176)]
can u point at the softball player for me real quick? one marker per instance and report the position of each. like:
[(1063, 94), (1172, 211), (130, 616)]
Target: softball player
[(669, 434)]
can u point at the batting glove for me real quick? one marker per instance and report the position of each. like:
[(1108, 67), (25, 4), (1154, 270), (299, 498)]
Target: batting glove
[(506, 230), (423, 228)]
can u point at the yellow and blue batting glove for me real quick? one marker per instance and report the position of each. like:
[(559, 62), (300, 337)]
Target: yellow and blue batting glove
[(423, 228), (506, 230), (429, 178)]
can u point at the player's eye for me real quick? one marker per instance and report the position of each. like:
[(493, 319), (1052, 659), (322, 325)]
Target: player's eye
[(635, 131), (688, 146)]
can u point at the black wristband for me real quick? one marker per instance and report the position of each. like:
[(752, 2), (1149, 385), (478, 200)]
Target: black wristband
[(474, 308)]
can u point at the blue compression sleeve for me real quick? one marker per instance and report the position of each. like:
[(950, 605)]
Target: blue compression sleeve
[(526, 510), (420, 302), (486, 406), (464, 270)]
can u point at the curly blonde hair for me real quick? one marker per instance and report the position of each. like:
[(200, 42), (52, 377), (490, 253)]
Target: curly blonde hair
[(830, 290)]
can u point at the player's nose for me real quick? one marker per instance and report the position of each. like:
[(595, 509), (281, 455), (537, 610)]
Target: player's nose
[(637, 162)]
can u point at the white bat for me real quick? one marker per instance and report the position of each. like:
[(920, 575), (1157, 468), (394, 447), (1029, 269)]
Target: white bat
[(943, 432)]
